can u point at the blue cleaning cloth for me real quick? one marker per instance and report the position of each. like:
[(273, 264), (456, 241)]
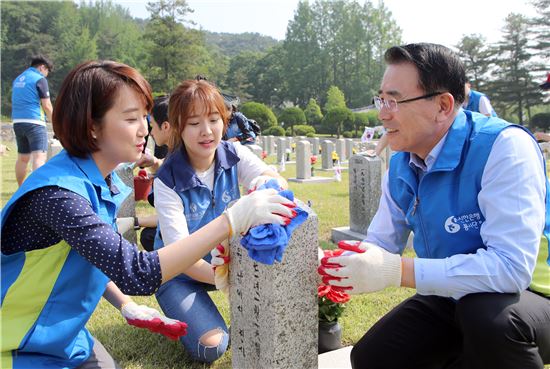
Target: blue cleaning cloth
[(267, 243)]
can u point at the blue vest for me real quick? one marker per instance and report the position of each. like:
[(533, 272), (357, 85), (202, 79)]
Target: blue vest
[(473, 102), (200, 204), (49, 294), (26, 106), (447, 222)]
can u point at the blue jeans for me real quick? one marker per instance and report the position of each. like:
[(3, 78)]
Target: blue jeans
[(188, 300), (30, 137)]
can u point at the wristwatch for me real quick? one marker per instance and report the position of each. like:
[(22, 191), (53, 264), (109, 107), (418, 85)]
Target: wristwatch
[(136, 224)]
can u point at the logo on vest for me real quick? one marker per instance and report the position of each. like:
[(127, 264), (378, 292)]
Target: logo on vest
[(468, 222), (226, 197), (193, 208)]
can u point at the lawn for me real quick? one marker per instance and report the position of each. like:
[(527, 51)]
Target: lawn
[(138, 349)]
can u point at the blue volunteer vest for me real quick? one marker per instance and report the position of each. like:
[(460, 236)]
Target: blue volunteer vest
[(200, 204), (49, 294), (473, 102), (447, 222), (26, 106)]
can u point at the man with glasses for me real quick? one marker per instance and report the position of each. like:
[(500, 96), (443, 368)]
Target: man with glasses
[(31, 106), (475, 196)]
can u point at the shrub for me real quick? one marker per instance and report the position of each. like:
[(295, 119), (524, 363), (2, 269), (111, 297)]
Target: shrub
[(301, 130), (260, 113), (274, 131)]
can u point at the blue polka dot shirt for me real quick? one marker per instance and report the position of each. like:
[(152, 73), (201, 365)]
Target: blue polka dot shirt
[(47, 215)]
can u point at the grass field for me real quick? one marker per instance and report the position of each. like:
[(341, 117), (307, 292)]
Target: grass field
[(138, 349)]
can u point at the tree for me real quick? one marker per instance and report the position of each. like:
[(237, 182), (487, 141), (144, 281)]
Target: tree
[(237, 80), (313, 113), (335, 99), (291, 116), (173, 51), (260, 113), (476, 55), (514, 86), (541, 28), (335, 118), (361, 121)]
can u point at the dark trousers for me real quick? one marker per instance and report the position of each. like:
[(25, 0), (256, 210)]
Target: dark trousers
[(479, 331)]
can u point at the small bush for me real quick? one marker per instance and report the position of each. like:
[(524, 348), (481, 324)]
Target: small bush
[(347, 134), (274, 131)]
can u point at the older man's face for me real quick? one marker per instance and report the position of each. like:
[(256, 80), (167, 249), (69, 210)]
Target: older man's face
[(412, 127)]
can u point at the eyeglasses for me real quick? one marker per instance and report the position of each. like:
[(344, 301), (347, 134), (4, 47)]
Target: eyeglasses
[(391, 104)]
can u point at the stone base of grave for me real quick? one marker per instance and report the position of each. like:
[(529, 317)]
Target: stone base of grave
[(336, 359), (345, 233), (331, 169), (312, 180)]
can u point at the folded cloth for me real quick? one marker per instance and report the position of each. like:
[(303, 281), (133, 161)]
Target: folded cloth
[(267, 243)]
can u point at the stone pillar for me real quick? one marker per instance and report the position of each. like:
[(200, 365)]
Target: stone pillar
[(128, 207), (314, 145), (348, 147), (274, 312), (303, 156), (365, 179), (281, 148), (269, 145), (54, 147), (327, 147), (257, 150), (340, 149)]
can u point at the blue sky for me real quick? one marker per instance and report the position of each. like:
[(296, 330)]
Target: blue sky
[(439, 21)]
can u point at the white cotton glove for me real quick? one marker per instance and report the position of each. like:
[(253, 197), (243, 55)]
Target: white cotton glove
[(143, 316), (370, 271), (259, 207), (124, 224), (260, 180), (220, 264)]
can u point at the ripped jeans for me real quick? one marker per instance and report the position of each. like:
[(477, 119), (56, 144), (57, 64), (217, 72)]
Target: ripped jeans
[(187, 300)]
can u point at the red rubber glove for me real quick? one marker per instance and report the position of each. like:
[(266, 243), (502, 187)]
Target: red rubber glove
[(142, 316)]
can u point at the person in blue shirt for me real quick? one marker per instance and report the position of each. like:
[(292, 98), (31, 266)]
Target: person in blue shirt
[(198, 180), (60, 248), (477, 102), (238, 128), (31, 106), (473, 190)]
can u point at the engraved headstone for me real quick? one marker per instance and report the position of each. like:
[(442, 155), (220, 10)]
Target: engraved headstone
[(327, 147), (274, 312), (341, 149)]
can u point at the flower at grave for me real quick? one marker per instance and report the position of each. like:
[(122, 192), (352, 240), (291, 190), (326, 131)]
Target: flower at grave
[(313, 159), (264, 155), (331, 302)]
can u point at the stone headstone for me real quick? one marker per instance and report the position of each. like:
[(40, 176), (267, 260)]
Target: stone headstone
[(314, 145), (54, 147), (327, 147), (128, 206), (341, 149), (257, 150), (348, 147), (269, 145), (365, 179), (303, 157), (281, 149), (274, 312)]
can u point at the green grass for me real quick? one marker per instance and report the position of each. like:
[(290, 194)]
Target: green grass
[(138, 349)]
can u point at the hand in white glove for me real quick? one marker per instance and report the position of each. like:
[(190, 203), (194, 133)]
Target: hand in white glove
[(370, 271), (220, 264), (260, 180), (124, 224), (143, 316), (259, 207)]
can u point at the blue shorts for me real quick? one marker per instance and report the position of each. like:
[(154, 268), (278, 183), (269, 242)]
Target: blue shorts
[(30, 137)]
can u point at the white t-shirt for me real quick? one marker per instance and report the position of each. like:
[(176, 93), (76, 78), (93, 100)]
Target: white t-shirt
[(171, 216)]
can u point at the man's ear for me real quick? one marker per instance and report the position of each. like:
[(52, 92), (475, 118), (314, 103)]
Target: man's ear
[(446, 105)]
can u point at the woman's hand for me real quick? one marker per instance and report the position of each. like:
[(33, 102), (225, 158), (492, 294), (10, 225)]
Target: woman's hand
[(259, 207)]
